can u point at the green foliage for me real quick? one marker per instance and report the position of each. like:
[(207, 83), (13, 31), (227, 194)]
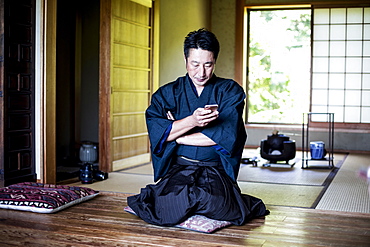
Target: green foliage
[(268, 15), (269, 95), (301, 28)]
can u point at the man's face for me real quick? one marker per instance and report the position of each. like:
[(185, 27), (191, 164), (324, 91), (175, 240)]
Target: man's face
[(200, 66)]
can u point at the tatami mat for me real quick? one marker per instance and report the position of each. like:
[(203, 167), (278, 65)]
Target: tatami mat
[(348, 192), (295, 175), (283, 195), (120, 182), (146, 169)]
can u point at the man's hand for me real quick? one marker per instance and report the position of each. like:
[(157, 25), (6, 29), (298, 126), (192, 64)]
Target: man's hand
[(202, 117)]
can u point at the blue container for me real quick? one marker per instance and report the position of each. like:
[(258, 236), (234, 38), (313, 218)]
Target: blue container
[(317, 150)]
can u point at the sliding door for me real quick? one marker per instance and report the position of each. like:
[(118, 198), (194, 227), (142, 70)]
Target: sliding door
[(130, 79)]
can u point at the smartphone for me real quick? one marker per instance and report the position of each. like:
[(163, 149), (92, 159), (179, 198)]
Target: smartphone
[(211, 107)]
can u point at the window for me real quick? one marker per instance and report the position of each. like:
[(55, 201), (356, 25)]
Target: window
[(279, 65), (341, 63), (338, 56)]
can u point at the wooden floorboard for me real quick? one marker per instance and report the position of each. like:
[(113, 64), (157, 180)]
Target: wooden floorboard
[(103, 222)]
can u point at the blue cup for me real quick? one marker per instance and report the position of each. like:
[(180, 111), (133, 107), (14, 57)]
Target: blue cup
[(317, 150)]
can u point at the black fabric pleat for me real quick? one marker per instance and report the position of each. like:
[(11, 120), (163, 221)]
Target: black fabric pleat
[(191, 190)]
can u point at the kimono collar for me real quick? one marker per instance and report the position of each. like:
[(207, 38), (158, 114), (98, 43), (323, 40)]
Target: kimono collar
[(193, 86)]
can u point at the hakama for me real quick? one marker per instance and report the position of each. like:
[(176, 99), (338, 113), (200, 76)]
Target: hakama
[(188, 190)]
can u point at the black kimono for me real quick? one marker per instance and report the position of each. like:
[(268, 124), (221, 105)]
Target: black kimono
[(207, 187)]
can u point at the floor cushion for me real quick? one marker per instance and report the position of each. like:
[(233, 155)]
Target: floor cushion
[(43, 198), (197, 223)]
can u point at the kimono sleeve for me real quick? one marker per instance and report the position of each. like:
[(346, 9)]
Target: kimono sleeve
[(158, 125), (228, 130)]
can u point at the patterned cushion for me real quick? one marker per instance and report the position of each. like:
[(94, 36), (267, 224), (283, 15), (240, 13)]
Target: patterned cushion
[(197, 223), (43, 198), (201, 223)]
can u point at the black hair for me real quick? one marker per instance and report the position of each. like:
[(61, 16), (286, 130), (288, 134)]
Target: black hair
[(202, 39)]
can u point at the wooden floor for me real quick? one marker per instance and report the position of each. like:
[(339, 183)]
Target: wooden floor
[(102, 222)]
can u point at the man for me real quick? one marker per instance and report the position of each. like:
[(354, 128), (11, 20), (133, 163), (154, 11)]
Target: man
[(196, 151)]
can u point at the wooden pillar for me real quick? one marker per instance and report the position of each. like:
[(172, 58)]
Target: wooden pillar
[(49, 110), (105, 153)]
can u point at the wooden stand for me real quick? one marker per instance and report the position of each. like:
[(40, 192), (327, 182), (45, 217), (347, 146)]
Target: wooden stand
[(307, 119)]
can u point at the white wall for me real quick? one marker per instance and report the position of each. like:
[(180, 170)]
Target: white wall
[(223, 26), (177, 19)]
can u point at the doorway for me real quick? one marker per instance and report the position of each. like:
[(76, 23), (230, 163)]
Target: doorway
[(77, 82)]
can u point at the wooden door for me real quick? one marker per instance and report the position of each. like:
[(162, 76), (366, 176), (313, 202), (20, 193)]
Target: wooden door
[(131, 32), (17, 92)]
